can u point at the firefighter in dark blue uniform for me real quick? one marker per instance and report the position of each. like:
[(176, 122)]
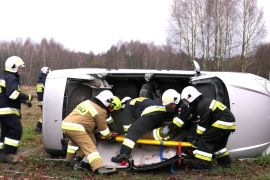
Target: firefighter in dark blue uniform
[(10, 104), (40, 90), (148, 115), (214, 126)]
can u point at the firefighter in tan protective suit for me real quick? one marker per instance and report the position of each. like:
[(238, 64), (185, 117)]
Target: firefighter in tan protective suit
[(80, 127)]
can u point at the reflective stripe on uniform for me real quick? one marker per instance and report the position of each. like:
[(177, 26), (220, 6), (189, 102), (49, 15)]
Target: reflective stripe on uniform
[(93, 156), (72, 126), (178, 122), (1, 145), (200, 129), (2, 83), (14, 95), (156, 134), (40, 87), (151, 109), (4, 111), (105, 132), (202, 155), (40, 103), (11, 142), (139, 99), (109, 120), (129, 143), (126, 127), (224, 125), (221, 153), (72, 149), (216, 104)]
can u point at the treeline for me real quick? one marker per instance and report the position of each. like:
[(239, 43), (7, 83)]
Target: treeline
[(130, 55), (217, 30)]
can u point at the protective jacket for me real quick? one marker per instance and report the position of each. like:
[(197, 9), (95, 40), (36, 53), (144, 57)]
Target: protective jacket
[(80, 126), (214, 125), (149, 115), (40, 87), (10, 95), (211, 112)]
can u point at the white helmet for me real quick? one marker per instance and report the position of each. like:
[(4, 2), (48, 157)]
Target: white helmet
[(106, 97), (13, 63), (45, 70), (190, 93), (170, 96)]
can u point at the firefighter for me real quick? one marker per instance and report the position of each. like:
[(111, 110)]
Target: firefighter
[(80, 126), (11, 98), (44, 71), (121, 119), (214, 126), (149, 115)]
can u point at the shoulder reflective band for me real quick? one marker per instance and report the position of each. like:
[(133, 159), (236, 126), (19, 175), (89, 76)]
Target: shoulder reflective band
[(221, 153), (178, 122), (72, 126), (216, 104), (151, 109), (11, 142), (224, 125), (1, 145), (93, 156), (156, 134), (109, 120), (72, 149), (200, 129), (14, 95), (202, 155), (129, 143), (40, 103), (105, 132), (126, 127), (2, 83), (140, 99), (85, 107), (4, 111), (40, 87)]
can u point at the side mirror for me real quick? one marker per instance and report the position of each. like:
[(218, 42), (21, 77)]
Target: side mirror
[(197, 68)]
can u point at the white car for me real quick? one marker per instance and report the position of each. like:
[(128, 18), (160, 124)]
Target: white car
[(246, 95)]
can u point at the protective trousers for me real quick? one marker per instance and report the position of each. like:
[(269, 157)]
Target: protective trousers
[(11, 133), (139, 128), (86, 142), (212, 144)]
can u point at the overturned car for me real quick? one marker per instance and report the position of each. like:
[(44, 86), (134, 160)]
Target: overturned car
[(246, 95)]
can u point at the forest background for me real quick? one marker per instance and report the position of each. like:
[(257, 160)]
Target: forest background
[(222, 35)]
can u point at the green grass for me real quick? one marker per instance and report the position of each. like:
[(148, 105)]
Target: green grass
[(34, 163)]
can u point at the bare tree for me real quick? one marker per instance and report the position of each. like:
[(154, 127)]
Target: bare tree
[(252, 29)]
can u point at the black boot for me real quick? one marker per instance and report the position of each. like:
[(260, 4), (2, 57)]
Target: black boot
[(82, 166), (200, 164), (224, 161), (120, 157), (39, 127), (6, 158), (105, 171)]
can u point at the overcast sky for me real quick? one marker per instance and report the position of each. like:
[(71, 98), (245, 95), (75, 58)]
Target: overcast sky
[(90, 25)]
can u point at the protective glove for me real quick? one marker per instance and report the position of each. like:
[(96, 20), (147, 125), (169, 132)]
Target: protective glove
[(111, 139), (29, 104)]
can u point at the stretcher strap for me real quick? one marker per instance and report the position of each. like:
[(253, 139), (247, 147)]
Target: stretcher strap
[(179, 152), (161, 147)]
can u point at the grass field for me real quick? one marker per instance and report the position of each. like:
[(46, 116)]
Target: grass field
[(34, 163)]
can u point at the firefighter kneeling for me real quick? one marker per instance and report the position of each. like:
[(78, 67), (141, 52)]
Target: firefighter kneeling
[(79, 127), (216, 122)]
